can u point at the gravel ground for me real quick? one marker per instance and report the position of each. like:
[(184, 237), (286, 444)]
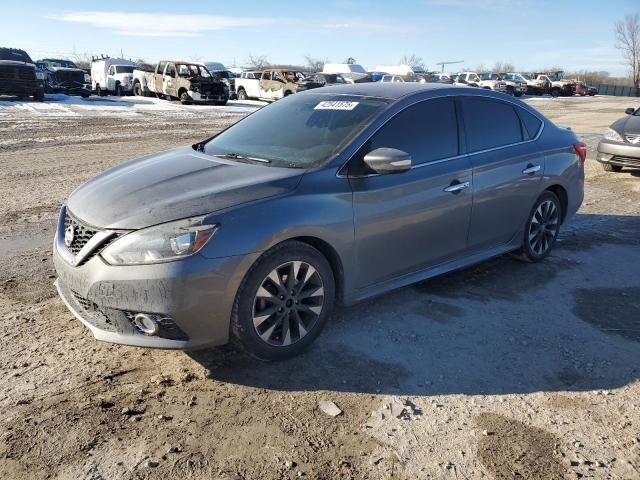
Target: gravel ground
[(504, 370)]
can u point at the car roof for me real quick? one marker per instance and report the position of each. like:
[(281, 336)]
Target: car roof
[(392, 91)]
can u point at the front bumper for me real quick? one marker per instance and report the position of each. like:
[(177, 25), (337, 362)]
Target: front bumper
[(195, 294), (207, 98), (617, 153)]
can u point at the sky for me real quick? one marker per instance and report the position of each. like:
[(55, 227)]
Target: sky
[(531, 34)]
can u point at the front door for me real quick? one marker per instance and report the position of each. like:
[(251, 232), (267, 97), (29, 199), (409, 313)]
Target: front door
[(506, 175), (158, 77), (409, 221)]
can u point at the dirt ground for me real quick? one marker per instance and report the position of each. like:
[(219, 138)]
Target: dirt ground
[(504, 370)]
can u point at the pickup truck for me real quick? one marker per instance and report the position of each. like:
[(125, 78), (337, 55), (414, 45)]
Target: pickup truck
[(190, 82), (19, 76), (554, 83), (270, 84)]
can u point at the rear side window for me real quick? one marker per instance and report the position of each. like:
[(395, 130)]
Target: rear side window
[(427, 131), (532, 124), (490, 124)]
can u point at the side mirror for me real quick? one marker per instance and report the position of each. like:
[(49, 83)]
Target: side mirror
[(388, 160), (630, 110)]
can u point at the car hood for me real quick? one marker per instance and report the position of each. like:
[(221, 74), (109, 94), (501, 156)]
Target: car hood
[(175, 184), (630, 124)]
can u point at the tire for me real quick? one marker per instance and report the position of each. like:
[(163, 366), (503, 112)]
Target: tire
[(607, 167), (99, 91), (242, 95), (221, 103), (542, 228), (39, 95), (279, 309), (137, 89), (287, 93), (510, 91), (519, 94), (118, 91), (555, 92), (185, 99)]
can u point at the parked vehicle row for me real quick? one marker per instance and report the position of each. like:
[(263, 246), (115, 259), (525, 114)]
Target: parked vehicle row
[(212, 82)]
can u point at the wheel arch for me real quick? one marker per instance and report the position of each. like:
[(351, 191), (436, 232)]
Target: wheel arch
[(560, 192)]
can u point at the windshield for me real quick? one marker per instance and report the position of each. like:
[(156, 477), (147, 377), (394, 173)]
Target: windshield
[(124, 69), (192, 70), (355, 68), (17, 55), (59, 63), (300, 131)]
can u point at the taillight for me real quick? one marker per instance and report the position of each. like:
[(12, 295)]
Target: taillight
[(581, 150)]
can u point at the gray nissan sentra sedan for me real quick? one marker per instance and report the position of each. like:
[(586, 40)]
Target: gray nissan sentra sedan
[(332, 195)]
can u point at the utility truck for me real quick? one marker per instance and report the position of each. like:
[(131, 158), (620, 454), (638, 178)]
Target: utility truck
[(112, 75)]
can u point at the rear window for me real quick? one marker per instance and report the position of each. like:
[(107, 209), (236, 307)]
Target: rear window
[(490, 124)]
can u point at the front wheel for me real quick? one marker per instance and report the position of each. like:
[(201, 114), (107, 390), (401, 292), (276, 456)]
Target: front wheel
[(242, 94), (284, 301), (185, 99), (137, 89), (118, 90), (542, 228)]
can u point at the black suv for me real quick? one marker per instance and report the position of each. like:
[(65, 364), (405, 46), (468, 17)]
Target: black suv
[(18, 75)]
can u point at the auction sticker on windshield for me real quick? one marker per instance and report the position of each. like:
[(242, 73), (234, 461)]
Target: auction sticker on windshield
[(336, 105)]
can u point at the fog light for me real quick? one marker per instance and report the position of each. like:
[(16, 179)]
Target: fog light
[(147, 324)]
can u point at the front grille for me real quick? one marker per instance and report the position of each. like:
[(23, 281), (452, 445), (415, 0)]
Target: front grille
[(626, 160), (17, 73), (635, 139), (168, 328), (63, 76), (82, 233), (84, 302)]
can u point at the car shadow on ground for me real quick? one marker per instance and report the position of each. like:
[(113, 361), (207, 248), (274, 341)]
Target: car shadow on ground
[(571, 322)]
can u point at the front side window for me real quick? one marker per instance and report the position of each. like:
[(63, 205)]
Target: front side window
[(318, 127), (427, 131), (490, 124), (160, 68)]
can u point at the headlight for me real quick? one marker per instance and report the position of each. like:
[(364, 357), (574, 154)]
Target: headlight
[(611, 134), (162, 243)]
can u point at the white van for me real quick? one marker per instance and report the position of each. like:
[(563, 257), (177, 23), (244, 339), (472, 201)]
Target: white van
[(343, 68), (112, 75)]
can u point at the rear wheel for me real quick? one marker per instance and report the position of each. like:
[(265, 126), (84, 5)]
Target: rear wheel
[(555, 92), (283, 302), (607, 167), (542, 228), (99, 90), (137, 89), (242, 95)]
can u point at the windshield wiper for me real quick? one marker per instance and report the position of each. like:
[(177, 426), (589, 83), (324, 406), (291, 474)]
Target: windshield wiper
[(237, 156)]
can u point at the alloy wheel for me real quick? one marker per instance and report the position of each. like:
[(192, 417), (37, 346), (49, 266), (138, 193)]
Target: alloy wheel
[(288, 303), (543, 227)]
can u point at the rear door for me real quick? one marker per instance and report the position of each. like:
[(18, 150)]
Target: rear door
[(507, 168), (158, 77), (412, 220)]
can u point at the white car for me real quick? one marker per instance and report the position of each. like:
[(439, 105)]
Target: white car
[(492, 81)]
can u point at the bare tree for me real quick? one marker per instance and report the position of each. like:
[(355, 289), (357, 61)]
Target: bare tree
[(481, 68), (257, 62), (315, 64), (503, 67), (412, 60), (82, 60), (628, 42)]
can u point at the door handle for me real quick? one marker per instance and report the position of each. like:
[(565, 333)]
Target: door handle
[(457, 187), (531, 169)]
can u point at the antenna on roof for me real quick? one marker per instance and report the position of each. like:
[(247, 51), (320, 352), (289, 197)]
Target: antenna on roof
[(449, 63)]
